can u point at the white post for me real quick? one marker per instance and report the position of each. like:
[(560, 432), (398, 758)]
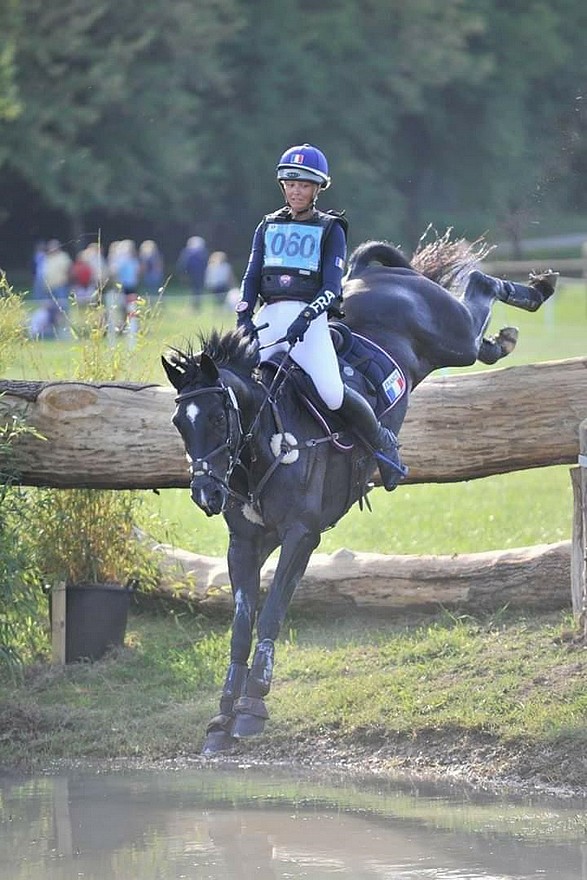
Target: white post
[(58, 611), (579, 540)]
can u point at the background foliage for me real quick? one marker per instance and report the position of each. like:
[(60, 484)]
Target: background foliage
[(167, 119)]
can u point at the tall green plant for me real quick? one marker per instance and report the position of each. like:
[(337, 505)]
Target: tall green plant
[(87, 535), (21, 627)]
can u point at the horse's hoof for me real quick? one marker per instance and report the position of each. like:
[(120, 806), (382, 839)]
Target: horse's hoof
[(247, 725), (507, 339), (250, 716), (218, 741)]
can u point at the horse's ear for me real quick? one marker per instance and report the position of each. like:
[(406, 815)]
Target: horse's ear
[(209, 369), (174, 374)]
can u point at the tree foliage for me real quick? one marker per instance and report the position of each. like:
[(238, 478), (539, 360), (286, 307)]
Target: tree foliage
[(175, 114)]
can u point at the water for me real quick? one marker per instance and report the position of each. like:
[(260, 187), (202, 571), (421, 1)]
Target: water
[(238, 823)]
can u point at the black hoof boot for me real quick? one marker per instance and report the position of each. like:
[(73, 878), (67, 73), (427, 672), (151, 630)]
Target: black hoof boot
[(530, 297), (219, 736), (250, 717)]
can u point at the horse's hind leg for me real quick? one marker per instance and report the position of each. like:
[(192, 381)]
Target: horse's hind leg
[(480, 294), (529, 296), (493, 348)]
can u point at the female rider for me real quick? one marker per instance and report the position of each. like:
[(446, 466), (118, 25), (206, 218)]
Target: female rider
[(297, 258)]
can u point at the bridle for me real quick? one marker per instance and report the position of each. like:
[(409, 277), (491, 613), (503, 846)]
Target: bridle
[(201, 466)]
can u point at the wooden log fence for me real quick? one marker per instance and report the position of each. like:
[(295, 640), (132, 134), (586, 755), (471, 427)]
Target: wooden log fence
[(524, 577), (459, 427)]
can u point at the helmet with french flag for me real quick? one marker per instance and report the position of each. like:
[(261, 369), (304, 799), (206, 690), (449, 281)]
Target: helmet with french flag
[(304, 162)]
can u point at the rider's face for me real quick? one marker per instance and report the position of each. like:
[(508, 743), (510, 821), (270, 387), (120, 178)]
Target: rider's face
[(300, 194)]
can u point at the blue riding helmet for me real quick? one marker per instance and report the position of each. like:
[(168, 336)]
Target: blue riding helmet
[(304, 162)]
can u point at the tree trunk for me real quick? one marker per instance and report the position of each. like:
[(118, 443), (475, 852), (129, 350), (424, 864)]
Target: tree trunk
[(527, 577), (458, 427)]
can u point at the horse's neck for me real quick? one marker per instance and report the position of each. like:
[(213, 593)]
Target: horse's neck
[(248, 392)]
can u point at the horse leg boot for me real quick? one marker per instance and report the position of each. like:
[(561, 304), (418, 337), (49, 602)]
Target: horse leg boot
[(251, 711), (361, 419), (219, 735), (529, 296)]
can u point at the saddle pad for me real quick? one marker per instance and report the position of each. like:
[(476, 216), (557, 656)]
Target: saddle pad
[(378, 367)]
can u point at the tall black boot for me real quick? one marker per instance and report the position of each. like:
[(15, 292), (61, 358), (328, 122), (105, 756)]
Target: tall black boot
[(361, 419)]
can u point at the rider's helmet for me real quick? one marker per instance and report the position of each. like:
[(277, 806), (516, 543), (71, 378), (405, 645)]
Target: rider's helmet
[(304, 162)]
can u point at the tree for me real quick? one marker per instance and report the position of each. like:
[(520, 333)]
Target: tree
[(112, 102)]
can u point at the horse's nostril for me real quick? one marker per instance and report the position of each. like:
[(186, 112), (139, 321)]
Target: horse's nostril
[(209, 497)]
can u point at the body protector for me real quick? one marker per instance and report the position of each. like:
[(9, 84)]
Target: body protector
[(293, 253)]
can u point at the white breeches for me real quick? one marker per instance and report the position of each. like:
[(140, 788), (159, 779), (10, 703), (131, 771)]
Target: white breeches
[(315, 354)]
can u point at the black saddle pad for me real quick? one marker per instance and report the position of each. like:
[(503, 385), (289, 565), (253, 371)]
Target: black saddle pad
[(363, 366), (382, 373)]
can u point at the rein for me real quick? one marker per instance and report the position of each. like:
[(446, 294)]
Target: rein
[(200, 466), (237, 442)]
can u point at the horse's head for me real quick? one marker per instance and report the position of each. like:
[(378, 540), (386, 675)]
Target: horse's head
[(207, 417)]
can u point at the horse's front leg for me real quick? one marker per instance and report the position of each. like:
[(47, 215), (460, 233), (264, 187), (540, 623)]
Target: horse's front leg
[(245, 560), (298, 544)]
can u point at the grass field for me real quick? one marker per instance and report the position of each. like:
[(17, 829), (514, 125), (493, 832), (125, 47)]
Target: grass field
[(511, 510)]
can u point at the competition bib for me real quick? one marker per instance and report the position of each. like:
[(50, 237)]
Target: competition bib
[(293, 245)]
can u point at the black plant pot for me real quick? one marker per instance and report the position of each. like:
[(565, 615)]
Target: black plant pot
[(95, 620)]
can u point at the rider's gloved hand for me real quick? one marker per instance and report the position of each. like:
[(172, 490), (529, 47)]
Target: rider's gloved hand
[(244, 318), (297, 328), (247, 324)]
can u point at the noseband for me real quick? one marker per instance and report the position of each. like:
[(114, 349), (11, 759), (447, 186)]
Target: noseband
[(200, 466)]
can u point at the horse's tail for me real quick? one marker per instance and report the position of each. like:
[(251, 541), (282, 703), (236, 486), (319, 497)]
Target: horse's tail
[(375, 252), (442, 259)]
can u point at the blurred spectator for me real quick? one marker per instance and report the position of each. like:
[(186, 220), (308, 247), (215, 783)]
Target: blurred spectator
[(93, 255), (38, 262), (57, 279), (219, 277), (82, 277), (192, 263), (114, 300), (124, 269), (151, 262)]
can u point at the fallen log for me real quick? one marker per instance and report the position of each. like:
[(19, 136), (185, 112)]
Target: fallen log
[(458, 427), (527, 577)]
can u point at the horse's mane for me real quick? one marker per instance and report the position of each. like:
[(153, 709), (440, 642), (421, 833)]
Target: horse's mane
[(231, 348), (440, 257)]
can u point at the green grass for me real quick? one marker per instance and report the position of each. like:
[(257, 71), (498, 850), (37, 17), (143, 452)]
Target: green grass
[(510, 510), (508, 683)]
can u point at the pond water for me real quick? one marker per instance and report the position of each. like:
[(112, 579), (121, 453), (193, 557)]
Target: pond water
[(239, 822)]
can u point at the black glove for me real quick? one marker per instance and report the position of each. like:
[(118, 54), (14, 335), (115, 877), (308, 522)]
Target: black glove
[(297, 328)]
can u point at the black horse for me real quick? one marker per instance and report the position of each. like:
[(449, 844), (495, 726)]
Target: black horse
[(281, 473)]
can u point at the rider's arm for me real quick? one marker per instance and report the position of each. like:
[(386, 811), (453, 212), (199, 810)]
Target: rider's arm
[(333, 263), (251, 283)]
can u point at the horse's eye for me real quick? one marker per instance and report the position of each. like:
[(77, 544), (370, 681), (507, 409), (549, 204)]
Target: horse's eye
[(218, 420)]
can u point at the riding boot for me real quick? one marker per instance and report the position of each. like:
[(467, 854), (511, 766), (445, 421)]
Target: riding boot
[(361, 419)]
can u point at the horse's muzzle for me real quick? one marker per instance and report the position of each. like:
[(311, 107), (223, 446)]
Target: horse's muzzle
[(210, 495)]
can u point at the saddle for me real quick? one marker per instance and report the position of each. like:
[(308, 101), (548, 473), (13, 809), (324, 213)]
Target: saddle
[(363, 365)]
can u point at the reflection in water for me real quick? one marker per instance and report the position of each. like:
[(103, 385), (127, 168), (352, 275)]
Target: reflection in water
[(233, 823)]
